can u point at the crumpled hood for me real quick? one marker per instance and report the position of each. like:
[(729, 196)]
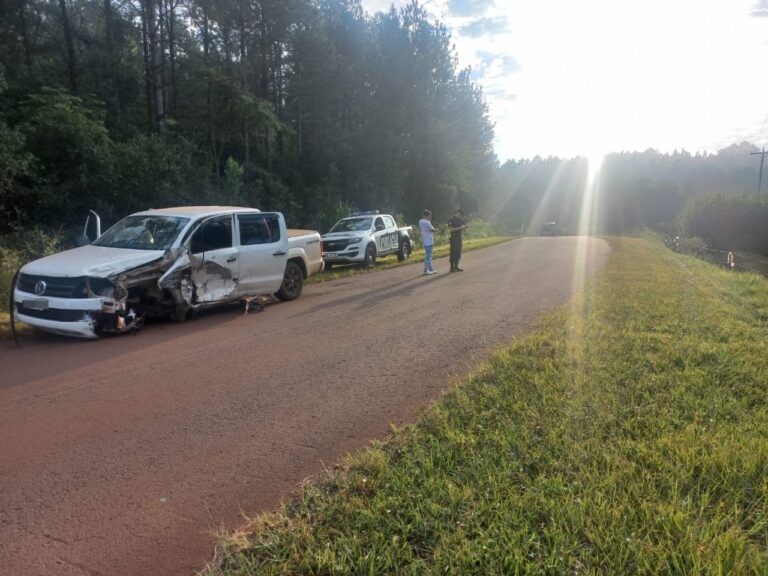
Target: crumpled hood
[(98, 261)]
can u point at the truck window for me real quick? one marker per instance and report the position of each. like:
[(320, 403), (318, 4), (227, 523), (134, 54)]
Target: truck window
[(214, 234), (352, 225), (389, 221), (273, 221), (258, 229), (143, 232), (379, 222)]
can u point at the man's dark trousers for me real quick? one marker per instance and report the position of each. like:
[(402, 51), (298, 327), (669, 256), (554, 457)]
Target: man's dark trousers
[(455, 249)]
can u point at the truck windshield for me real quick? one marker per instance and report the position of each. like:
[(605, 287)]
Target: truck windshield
[(143, 233), (352, 225)]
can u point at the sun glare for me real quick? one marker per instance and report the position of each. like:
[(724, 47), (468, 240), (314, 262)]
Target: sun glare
[(588, 219), (588, 212)]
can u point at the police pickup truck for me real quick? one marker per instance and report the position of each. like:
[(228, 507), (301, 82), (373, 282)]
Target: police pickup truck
[(365, 236)]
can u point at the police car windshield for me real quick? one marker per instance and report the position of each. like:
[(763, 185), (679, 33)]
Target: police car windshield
[(143, 233), (352, 225)]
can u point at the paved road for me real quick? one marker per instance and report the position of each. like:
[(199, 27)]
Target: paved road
[(123, 456)]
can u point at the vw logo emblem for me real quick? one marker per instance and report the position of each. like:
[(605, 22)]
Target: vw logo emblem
[(40, 287)]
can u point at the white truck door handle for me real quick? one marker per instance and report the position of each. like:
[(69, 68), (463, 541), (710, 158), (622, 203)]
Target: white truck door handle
[(278, 253), (231, 258)]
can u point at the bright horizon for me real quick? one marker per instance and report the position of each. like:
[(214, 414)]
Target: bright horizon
[(588, 77)]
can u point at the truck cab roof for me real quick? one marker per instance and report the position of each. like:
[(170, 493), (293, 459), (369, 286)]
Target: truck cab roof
[(196, 211)]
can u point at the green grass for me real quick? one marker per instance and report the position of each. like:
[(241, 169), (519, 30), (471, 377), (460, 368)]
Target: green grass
[(627, 435), (439, 251), (15, 250), (5, 327)]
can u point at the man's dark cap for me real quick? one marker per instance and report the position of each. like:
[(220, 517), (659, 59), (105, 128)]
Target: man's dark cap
[(427, 213)]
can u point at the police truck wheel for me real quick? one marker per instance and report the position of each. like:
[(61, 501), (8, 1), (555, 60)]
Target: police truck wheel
[(293, 283), (405, 251), (370, 257)]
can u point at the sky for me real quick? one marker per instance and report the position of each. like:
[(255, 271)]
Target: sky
[(588, 77)]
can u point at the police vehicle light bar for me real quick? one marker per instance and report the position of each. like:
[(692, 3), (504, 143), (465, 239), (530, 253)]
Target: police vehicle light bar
[(364, 213)]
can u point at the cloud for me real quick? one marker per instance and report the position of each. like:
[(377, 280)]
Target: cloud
[(499, 93), (509, 65), (486, 27), (468, 7), (759, 9), (504, 63), (487, 58)]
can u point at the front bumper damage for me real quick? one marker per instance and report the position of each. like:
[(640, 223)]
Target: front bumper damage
[(79, 317), (117, 301), (83, 318), (123, 300)]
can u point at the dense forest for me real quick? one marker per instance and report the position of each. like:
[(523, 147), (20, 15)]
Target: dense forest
[(304, 106), (310, 107)]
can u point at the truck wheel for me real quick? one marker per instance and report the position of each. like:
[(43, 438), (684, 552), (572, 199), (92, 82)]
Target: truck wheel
[(370, 257), (405, 251), (293, 283)]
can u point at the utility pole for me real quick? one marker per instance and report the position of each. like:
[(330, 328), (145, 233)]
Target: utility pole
[(762, 154)]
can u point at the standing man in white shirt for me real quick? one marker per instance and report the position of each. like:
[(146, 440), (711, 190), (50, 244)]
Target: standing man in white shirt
[(426, 228)]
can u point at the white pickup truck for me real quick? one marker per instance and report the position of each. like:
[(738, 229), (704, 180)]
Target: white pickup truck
[(165, 263), (365, 236)]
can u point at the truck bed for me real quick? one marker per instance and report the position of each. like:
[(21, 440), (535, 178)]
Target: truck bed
[(294, 232), (305, 245)]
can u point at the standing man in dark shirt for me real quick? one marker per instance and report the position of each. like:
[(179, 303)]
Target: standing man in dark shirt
[(456, 225)]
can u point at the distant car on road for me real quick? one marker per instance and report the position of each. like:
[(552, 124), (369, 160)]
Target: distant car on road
[(551, 229)]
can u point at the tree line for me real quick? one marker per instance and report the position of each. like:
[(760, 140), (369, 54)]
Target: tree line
[(710, 196), (304, 106)]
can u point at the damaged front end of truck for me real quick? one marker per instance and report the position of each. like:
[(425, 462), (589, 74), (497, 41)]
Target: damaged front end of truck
[(116, 300), (96, 289), (119, 300), (110, 299), (130, 296)]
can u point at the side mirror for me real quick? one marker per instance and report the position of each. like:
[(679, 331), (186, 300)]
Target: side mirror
[(82, 240), (379, 227), (96, 228), (178, 252), (193, 246)]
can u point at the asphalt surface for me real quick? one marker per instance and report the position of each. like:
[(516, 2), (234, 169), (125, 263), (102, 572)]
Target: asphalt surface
[(124, 456)]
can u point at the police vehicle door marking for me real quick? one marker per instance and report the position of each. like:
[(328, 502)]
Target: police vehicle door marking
[(389, 242)]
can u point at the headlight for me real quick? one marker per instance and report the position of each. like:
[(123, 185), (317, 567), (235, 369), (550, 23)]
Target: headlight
[(355, 240), (101, 287)]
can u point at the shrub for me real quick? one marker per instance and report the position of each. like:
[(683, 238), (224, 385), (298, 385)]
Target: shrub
[(72, 148), (728, 222), (21, 247)]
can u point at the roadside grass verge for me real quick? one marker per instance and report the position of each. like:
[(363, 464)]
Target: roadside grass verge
[(15, 250), (439, 251), (627, 435), (5, 327)]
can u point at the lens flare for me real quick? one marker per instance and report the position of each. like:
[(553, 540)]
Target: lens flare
[(589, 214)]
